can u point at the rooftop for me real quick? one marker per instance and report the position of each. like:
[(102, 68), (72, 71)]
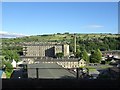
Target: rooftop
[(48, 70)]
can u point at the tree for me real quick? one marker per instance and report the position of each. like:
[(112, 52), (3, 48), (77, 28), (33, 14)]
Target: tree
[(71, 47), (95, 57), (10, 55), (8, 69), (1, 59), (85, 56), (15, 56), (99, 55), (9, 66), (59, 55), (78, 53), (66, 33)]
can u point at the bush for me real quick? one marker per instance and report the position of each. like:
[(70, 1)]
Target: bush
[(8, 69), (59, 55)]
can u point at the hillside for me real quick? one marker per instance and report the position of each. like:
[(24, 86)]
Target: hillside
[(58, 37), (83, 41)]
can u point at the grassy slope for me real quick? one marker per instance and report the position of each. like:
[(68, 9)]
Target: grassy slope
[(58, 37), (69, 36)]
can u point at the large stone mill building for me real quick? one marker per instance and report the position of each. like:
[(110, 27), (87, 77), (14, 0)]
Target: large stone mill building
[(45, 50)]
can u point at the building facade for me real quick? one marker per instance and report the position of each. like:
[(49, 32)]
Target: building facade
[(112, 53), (45, 50)]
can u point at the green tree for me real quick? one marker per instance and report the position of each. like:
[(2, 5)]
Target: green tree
[(1, 59), (95, 57), (59, 55), (10, 55), (8, 69), (15, 56), (78, 53), (99, 54), (9, 66), (85, 56), (71, 47)]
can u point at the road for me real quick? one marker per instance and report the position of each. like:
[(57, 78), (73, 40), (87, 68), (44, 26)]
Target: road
[(48, 70)]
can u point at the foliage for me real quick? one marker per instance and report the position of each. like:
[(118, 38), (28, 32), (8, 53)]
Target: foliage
[(71, 47), (1, 61), (59, 55), (8, 74), (10, 55), (85, 56), (95, 57), (99, 55), (92, 69), (8, 69), (88, 42), (9, 66), (78, 53)]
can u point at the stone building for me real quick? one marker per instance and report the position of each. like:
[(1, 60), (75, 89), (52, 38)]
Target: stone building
[(112, 53), (72, 63), (45, 50)]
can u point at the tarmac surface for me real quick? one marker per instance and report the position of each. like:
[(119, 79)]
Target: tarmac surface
[(48, 71)]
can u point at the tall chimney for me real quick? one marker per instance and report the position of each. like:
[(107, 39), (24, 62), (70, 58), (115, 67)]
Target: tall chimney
[(74, 43)]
